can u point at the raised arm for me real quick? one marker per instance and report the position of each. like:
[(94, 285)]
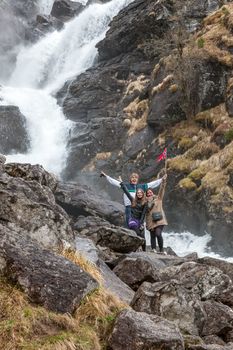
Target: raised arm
[(125, 189), (154, 184), (112, 181), (162, 187)]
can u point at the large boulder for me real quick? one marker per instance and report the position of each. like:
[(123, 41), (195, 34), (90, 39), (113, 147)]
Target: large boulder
[(81, 200), (218, 319), (31, 172), (111, 282), (66, 9), (116, 238), (48, 279), (29, 204), (13, 131), (172, 301), (140, 331)]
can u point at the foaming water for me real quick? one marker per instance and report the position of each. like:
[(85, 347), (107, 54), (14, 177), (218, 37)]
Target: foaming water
[(185, 243), (43, 68)]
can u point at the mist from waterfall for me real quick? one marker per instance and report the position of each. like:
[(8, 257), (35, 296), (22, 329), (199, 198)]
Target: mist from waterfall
[(43, 68)]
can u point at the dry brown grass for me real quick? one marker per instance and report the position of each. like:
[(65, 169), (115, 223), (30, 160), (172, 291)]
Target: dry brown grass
[(81, 261), (28, 327)]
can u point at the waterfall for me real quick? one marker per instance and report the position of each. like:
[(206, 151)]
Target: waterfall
[(42, 69), (45, 6)]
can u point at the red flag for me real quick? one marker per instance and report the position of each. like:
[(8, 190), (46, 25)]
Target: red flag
[(162, 156)]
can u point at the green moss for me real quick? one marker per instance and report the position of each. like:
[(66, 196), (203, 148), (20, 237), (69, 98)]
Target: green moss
[(228, 135), (188, 184), (180, 164), (185, 143), (197, 174), (225, 11), (200, 43)]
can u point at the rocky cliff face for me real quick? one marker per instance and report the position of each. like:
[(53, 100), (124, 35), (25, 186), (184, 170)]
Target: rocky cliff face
[(163, 79)]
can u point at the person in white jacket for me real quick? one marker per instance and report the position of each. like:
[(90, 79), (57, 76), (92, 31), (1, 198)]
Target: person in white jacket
[(132, 187)]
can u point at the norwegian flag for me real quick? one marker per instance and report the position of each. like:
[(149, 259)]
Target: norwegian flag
[(162, 156)]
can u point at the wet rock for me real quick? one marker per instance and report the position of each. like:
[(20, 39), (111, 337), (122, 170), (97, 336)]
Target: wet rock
[(42, 25), (126, 29), (140, 331), (81, 200), (66, 9), (48, 279), (165, 110), (31, 172), (13, 131), (116, 238)]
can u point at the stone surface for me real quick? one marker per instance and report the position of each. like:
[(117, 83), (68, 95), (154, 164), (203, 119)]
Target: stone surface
[(110, 281), (134, 271), (172, 301), (66, 9), (82, 200), (29, 204), (139, 331), (48, 279), (31, 172), (116, 238), (12, 123)]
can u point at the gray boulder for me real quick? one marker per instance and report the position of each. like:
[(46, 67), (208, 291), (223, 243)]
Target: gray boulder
[(31, 172), (134, 271), (172, 301), (27, 205), (13, 131), (218, 319), (102, 233), (48, 279), (81, 200), (110, 281), (140, 331), (66, 9)]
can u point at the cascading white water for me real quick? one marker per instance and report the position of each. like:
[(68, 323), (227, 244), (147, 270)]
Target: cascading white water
[(46, 66), (185, 243), (45, 6)]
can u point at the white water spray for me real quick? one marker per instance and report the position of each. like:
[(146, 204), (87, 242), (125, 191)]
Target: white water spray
[(45, 67), (185, 243)]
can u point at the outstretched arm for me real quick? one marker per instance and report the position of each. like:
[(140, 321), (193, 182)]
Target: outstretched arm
[(154, 184), (125, 189), (111, 180)]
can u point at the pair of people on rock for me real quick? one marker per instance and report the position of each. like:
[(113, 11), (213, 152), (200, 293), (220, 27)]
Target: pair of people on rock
[(140, 203)]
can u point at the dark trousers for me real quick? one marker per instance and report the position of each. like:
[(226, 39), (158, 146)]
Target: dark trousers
[(141, 233), (127, 215), (157, 233)]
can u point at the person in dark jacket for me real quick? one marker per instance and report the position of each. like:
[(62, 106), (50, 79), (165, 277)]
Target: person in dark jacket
[(132, 187), (137, 212), (155, 207)]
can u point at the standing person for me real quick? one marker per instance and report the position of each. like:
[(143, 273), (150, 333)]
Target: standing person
[(132, 187), (137, 212), (155, 217)]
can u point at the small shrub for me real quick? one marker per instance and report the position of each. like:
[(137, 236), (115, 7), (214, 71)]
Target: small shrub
[(187, 184), (200, 43), (229, 136)]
